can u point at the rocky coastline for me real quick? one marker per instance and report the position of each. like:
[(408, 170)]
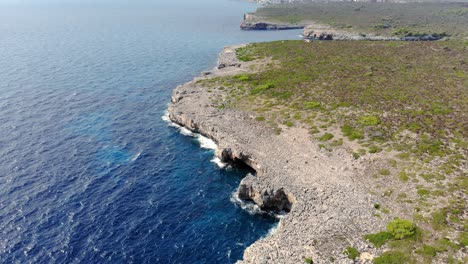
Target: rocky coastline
[(316, 31), (252, 22), (322, 194)]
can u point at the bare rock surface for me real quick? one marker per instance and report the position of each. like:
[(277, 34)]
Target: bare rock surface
[(328, 208), (317, 29)]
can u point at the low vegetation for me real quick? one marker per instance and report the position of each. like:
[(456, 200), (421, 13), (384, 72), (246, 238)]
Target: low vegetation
[(352, 253), (411, 111), (390, 19)]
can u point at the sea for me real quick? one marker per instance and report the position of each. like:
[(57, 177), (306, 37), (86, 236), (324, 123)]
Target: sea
[(91, 171)]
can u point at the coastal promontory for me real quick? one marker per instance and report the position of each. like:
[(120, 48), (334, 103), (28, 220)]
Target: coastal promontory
[(355, 144)]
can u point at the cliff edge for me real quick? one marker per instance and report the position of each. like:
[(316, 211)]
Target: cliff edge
[(326, 207)]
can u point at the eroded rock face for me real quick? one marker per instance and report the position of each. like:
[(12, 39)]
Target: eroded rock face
[(269, 199), (231, 154)]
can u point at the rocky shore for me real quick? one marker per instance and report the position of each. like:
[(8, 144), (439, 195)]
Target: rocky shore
[(323, 194), (314, 30), (252, 22)]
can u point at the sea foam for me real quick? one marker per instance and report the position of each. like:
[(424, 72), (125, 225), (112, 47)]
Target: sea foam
[(204, 142)]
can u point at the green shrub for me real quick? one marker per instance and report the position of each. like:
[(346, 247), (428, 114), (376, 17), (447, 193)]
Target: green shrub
[(403, 176), (423, 192), (337, 143), (444, 244), (400, 228), (391, 257), (379, 239), (308, 261), (243, 54), (242, 77), (438, 221), (427, 251), (351, 133), (262, 88), (464, 239), (369, 120), (384, 172), (352, 253), (260, 118), (311, 105), (374, 149), (403, 156), (326, 137)]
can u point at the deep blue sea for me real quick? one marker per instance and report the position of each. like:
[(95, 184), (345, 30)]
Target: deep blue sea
[(89, 171)]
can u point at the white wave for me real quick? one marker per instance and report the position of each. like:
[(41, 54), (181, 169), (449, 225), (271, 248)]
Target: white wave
[(249, 207), (218, 162), (186, 132), (205, 142), (252, 208), (273, 230), (136, 156), (165, 117)]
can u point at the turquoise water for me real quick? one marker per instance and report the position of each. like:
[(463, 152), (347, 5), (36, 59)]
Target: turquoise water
[(89, 172)]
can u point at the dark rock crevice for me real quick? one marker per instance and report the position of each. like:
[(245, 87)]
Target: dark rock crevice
[(269, 199)]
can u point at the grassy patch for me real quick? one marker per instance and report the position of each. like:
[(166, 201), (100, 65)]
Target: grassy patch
[(374, 149), (352, 253), (351, 133), (242, 77), (403, 176), (438, 221), (326, 137), (464, 239), (384, 172), (244, 54), (392, 257), (262, 88), (311, 105), (427, 251), (396, 230), (423, 192), (369, 120), (379, 239)]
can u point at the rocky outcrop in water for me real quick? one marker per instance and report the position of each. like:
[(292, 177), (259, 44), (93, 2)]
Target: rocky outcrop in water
[(253, 22), (267, 26), (278, 201)]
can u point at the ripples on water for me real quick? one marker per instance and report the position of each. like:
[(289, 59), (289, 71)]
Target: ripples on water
[(89, 171)]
